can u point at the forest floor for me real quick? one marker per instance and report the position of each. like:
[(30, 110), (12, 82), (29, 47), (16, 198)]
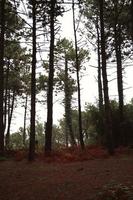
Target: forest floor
[(51, 179)]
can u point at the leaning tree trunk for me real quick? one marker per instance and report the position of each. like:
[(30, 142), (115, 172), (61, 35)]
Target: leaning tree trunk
[(108, 120), (78, 81), (2, 32), (49, 123), (68, 114), (33, 87)]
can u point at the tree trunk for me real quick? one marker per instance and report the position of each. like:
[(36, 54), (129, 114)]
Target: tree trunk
[(2, 32), (49, 123), (66, 137), (100, 89), (6, 94), (119, 79), (78, 81), (7, 139), (132, 18), (108, 120), (117, 37), (25, 114), (33, 87), (68, 114)]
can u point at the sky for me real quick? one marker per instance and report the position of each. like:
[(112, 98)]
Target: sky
[(89, 90)]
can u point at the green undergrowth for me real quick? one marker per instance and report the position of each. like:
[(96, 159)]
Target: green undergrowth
[(3, 158)]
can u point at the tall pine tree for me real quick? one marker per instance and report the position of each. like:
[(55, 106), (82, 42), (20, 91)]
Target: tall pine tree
[(2, 33)]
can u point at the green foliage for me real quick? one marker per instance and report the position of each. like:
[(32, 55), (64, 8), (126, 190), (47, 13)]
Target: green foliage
[(40, 134), (115, 12), (13, 22), (43, 10), (88, 124), (93, 130), (17, 71), (3, 158), (122, 131), (65, 52), (93, 125), (41, 83), (16, 140), (64, 48), (83, 56), (16, 57), (58, 139)]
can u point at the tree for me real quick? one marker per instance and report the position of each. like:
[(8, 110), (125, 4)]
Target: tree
[(65, 58), (54, 10), (33, 86), (26, 79), (91, 23), (118, 44), (10, 114), (117, 23), (100, 89), (78, 82), (15, 61), (48, 133), (67, 101), (12, 60), (2, 33), (91, 20), (66, 52), (132, 16), (108, 122)]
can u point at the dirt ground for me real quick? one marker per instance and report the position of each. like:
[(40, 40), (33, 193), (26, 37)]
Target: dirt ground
[(68, 181)]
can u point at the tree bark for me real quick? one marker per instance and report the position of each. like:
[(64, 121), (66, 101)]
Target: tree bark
[(68, 114), (49, 123), (78, 81), (119, 72), (7, 139), (121, 137), (100, 89), (25, 114), (132, 17), (2, 33), (6, 94), (33, 87), (117, 38), (108, 120)]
